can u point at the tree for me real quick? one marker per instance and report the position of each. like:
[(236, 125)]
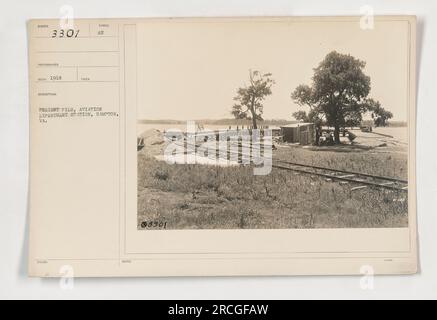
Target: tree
[(338, 92), (249, 100), (380, 116), (312, 116), (301, 116), (353, 120)]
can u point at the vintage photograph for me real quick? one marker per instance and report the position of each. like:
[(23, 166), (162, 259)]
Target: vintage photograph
[(272, 125)]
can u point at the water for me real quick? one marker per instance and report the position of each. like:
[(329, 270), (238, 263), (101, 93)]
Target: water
[(399, 133), (183, 127)]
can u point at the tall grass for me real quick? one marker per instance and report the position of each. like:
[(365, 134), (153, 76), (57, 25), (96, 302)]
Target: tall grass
[(210, 197), (377, 163)]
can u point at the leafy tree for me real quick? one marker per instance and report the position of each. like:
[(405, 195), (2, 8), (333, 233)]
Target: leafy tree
[(312, 116), (338, 92), (353, 120), (249, 99), (301, 116)]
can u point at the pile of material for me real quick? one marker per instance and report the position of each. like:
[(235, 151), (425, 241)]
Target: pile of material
[(151, 143)]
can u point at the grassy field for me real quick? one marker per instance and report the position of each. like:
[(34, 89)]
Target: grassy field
[(209, 197), (388, 164)]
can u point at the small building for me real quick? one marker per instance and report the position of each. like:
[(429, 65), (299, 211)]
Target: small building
[(276, 131), (302, 133)]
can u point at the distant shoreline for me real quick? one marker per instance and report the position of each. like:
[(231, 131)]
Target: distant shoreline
[(276, 122), (219, 122)]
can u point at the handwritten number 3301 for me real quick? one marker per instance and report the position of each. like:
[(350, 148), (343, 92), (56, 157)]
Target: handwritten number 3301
[(70, 33)]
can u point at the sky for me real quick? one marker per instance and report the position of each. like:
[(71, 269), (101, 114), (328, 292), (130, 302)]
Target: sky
[(192, 70)]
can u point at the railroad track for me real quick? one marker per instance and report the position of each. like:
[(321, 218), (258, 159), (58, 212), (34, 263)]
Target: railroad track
[(361, 179)]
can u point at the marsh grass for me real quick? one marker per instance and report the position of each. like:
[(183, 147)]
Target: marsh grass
[(388, 164)]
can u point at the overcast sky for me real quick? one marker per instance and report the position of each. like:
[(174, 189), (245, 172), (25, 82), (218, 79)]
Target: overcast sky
[(190, 71)]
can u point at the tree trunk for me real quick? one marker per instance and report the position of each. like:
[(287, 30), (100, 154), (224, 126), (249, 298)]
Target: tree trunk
[(253, 118), (254, 126), (337, 134), (317, 136)]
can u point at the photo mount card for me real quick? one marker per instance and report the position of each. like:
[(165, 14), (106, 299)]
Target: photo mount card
[(222, 146)]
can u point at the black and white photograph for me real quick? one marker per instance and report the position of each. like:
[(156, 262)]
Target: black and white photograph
[(273, 125), (218, 155)]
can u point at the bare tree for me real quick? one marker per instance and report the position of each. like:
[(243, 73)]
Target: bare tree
[(249, 99)]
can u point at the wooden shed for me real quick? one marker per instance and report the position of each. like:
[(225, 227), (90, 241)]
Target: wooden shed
[(302, 133)]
